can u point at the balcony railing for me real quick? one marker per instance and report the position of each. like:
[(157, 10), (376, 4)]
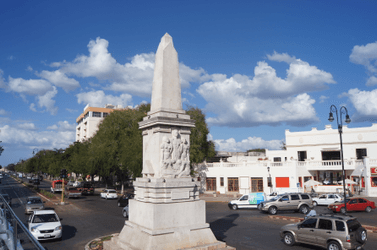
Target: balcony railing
[(309, 165), (13, 233)]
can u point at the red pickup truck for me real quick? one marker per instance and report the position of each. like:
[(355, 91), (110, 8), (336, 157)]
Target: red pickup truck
[(57, 186)]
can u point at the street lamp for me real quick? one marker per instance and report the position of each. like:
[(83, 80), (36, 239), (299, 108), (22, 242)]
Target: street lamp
[(343, 110), (269, 181), (35, 151)]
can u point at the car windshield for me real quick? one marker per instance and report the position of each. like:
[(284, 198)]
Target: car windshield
[(40, 218), (34, 201), (353, 225)]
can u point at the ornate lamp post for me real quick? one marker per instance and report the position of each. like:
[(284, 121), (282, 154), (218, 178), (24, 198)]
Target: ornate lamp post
[(343, 110), (35, 151)]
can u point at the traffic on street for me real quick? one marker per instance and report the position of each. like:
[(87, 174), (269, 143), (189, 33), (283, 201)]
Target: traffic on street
[(91, 216)]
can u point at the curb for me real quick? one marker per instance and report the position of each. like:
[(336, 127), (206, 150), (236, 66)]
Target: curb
[(87, 246), (370, 229)]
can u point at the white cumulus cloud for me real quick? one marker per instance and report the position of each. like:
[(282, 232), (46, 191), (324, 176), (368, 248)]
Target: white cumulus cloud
[(29, 87), (59, 79), (100, 99), (366, 55), (365, 102), (242, 101), (232, 145)]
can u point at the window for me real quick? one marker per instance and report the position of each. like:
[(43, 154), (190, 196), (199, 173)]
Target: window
[(373, 182), (221, 181), (295, 197), (285, 198), (105, 114), (330, 155), (331, 196), (353, 201), (96, 114), (323, 196), (244, 198), (340, 226), (277, 159), (211, 184), (301, 155), (305, 197), (325, 224), (309, 223), (362, 201), (233, 184), (256, 185), (360, 153)]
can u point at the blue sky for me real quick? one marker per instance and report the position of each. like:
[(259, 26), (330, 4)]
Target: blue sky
[(256, 68)]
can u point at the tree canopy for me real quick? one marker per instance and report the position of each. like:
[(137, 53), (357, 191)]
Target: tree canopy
[(116, 149)]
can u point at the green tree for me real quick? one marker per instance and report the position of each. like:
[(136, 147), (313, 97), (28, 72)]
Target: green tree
[(200, 147), (260, 150), (117, 147), (283, 145)]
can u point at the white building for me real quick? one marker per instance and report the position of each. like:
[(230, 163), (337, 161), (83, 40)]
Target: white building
[(311, 154), (89, 120)]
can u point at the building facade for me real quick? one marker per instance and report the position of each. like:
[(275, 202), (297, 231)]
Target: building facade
[(309, 155), (89, 120)]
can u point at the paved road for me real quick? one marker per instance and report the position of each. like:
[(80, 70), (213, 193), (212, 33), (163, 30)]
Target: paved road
[(251, 230), (90, 217)]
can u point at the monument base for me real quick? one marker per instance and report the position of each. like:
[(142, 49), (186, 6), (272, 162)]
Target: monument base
[(133, 237)]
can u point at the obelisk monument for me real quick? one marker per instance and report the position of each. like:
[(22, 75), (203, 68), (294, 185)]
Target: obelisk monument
[(166, 212)]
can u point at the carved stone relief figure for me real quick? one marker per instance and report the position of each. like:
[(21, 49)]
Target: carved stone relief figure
[(166, 152), (175, 160)]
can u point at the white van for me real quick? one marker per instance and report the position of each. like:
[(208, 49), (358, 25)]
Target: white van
[(251, 200)]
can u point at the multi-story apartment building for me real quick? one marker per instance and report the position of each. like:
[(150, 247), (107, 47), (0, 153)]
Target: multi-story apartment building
[(309, 155), (89, 120)]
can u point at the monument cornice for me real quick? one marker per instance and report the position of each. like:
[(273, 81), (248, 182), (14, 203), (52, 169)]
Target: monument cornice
[(169, 121)]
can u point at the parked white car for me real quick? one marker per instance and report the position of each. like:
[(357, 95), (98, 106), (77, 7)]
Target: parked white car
[(45, 225), (327, 199), (109, 194)]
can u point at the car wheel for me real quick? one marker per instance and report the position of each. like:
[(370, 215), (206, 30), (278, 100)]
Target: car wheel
[(234, 207), (315, 203), (288, 239), (304, 209), (361, 235), (368, 209), (273, 210), (343, 210), (118, 204), (333, 245), (125, 214)]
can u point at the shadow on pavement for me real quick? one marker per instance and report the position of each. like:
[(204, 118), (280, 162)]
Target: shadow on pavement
[(221, 226)]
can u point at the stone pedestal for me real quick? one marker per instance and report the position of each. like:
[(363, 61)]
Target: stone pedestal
[(165, 214)]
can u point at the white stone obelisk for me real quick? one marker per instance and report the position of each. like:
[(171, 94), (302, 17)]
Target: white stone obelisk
[(166, 213)]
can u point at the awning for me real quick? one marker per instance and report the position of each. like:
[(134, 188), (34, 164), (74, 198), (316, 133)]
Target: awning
[(358, 170)]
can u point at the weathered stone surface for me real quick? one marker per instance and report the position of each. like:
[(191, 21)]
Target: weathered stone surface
[(166, 89), (166, 212)]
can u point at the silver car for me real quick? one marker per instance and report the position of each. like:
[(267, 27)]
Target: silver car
[(33, 203), (333, 232), (292, 201)]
